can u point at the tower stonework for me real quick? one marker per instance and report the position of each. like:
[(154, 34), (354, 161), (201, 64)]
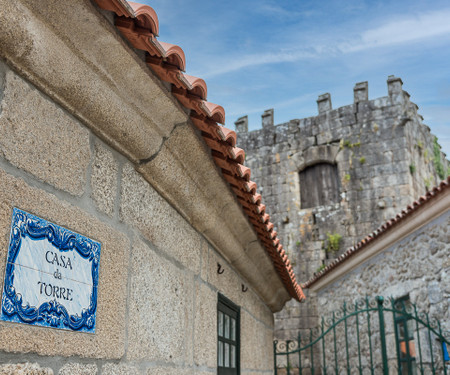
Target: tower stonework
[(331, 179)]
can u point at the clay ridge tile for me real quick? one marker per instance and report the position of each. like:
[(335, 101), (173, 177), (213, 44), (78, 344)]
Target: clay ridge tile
[(387, 226), (139, 24)]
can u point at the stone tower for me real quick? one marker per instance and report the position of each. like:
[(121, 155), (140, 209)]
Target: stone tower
[(331, 179)]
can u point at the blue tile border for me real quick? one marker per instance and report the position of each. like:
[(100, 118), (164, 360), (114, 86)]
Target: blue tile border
[(51, 313)]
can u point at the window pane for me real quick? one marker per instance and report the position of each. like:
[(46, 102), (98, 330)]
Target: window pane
[(226, 362), (401, 330), (410, 326), (220, 354), (233, 329), (227, 327), (220, 324), (233, 356)]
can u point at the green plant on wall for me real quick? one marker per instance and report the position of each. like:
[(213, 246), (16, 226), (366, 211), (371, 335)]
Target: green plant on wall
[(362, 160), (333, 242), (419, 145), (412, 168), (427, 182), (346, 143), (437, 159), (322, 267)]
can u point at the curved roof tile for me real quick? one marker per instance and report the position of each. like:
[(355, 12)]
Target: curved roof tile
[(139, 25), (238, 154), (146, 17), (197, 86), (214, 111), (174, 55), (251, 188), (227, 135)]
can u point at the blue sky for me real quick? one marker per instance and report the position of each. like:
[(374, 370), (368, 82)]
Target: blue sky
[(261, 54)]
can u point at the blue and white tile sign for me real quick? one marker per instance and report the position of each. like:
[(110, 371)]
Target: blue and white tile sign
[(51, 276)]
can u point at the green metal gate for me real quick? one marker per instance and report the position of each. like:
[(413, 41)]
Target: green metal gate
[(371, 336)]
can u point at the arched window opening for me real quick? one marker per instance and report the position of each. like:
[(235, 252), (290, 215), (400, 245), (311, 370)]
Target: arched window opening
[(319, 185)]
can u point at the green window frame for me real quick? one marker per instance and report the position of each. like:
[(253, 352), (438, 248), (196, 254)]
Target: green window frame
[(228, 337), (404, 337)]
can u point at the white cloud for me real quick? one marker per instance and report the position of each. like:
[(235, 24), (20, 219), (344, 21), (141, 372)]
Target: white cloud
[(404, 30), (241, 62), (273, 9), (399, 31)]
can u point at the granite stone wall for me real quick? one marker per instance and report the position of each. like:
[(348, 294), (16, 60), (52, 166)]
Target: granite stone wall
[(385, 158), (158, 284)]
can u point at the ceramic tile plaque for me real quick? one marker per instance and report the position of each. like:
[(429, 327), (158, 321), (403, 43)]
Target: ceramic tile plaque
[(51, 275)]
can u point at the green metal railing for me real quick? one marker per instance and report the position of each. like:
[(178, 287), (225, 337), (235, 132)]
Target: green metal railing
[(370, 336)]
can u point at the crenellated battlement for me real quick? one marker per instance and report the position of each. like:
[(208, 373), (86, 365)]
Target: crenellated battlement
[(396, 96)]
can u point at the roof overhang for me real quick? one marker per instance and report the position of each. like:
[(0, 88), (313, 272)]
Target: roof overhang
[(101, 80)]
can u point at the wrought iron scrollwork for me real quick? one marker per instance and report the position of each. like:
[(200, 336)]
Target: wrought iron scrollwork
[(369, 324)]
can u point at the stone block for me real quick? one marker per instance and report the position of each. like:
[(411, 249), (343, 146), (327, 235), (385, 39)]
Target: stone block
[(256, 344), (24, 369), (434, 292), (228, 283), (204, 256), (205, 326), (160, 310), (108, 341), (361, 92), (3, 70), (143, 207), (324, 103), (119, 369), (39, 137), (394, 85), (175, 371), (241, 124), (324, 137), (104, 179), (267, 118), (78, 369)]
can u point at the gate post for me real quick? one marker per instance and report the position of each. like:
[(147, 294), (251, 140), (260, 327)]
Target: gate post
[(380, 301)]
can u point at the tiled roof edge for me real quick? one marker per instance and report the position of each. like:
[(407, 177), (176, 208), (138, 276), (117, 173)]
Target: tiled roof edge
[(382, 230), (139, 25)]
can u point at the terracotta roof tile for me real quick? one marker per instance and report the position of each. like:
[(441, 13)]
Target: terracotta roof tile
[(385, 227), (197, 86), (146, 17), (174, 55), (140, 26), (120, 7)]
